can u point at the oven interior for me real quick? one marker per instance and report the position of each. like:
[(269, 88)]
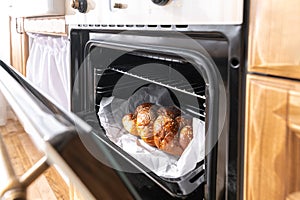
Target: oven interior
[(137, 69), (108, 71)]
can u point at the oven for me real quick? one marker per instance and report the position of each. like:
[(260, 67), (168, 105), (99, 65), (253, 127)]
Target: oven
[(175, 63), (168, 53)]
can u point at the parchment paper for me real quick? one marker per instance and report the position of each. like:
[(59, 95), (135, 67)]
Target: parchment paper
[(111, 112)]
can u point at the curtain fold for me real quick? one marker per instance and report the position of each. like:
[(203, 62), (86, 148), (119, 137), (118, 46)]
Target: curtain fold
[(48, 67)]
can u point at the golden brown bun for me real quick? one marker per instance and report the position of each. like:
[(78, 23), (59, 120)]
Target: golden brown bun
[(185, 136), (172, 135), (166, 135), (162, 127), (183, 121), (170, 111), (145, 114), (171, 145), (141, 107), (145, 117), (141, 122), (129, 123)]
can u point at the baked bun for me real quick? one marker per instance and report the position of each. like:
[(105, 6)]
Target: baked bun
[(185, 136), (170, 111), (162, 127), (186, 130), (166, 135), (183, 121), (129, 123), (145, 117), (172, 135)]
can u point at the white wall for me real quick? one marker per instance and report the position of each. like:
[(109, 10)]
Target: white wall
[(4, 33)]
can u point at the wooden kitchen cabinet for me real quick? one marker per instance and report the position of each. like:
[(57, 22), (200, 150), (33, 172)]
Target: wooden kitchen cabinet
[(19, 44), (272, 142), (274, 41), (19, 41), (272, 125)]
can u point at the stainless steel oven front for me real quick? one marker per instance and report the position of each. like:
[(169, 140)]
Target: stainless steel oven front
[(187, 55)]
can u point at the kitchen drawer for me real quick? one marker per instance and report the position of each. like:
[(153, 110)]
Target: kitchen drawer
[(46, 25)]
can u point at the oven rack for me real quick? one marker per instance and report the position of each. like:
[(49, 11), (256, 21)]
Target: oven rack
[(159, 80), (194, 110), (187, 109)]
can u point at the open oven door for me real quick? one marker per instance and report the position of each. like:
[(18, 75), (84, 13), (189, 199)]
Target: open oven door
[(59, 134)]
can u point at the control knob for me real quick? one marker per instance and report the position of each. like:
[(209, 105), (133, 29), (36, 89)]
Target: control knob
[(80, 5), (160, 2)]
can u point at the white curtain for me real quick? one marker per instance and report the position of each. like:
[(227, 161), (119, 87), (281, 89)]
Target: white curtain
[(48, 67)]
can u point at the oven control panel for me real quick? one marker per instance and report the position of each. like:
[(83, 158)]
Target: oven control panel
[(152, 12)]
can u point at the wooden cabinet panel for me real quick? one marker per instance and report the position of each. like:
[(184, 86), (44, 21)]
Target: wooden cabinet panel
[(293, 143), (265, 141), (272, 141), (19, 45), (50, 25), (274, 39), (272, 128)]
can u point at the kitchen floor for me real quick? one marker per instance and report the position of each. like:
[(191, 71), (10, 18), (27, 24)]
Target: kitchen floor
[(23, 155)]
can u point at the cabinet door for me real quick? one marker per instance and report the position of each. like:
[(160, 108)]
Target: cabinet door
[(272, 144), (19, 44), (274, 39), (293, 144)]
